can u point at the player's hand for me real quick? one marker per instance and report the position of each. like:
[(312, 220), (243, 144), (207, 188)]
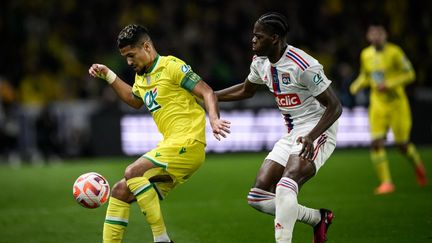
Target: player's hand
[(103, 72), (307, 151), (382, 87), (98, 71), (220, 128)]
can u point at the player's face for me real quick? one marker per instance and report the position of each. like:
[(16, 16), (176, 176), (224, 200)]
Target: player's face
[(137, 56), (261, 41), (376, 35)]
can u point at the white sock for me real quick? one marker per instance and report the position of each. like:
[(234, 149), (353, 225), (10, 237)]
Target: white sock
[(162, 238), (286, 209), (308, 216), (264, 201)]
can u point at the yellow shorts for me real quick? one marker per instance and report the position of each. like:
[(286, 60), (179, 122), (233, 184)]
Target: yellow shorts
[(395, 116), (178, 160)]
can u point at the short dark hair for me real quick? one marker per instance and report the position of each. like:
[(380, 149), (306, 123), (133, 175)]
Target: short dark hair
[(378, 20), (275, 22), (131, 35)]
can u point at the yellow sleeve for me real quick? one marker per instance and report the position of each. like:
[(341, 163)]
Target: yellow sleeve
[(182, 74), (362, 81), (406, 73), (135, 89)]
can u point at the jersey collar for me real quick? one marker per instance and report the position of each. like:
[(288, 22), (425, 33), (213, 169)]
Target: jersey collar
[(155, 62), (282, 57)]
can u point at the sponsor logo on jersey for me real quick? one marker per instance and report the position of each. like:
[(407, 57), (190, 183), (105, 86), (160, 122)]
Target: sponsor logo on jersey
[(317, 79), (287, 100), (185, 68), (182, 150), (150, 100), (286, 78)]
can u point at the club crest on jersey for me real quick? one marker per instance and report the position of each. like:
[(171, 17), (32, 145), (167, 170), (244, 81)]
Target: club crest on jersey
[(150, 100), (287, 100), (286, 78), (185, 68)]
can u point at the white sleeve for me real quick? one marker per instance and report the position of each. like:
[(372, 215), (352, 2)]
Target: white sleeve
[(315, 80), (254, 76)]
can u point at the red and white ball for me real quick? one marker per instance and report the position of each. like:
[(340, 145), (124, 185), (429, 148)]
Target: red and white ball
[(91, 190)]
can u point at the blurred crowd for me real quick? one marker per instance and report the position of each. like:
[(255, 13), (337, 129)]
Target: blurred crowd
[(48, 45)]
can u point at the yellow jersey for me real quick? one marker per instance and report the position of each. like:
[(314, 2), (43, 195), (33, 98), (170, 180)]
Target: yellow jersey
[(166, 92), (389, 65)]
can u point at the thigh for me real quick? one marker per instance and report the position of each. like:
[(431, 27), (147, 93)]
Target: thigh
[(138, 168), (178, 161), (379, 122), (401, 124), (299, 169), (324, 146)]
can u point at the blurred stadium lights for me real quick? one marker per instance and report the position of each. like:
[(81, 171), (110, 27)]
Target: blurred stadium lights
[(250, 131)]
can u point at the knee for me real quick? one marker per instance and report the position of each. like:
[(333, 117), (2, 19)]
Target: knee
[(263, 183), (132, 172), (378, 144), (121, 191), (403, 148)]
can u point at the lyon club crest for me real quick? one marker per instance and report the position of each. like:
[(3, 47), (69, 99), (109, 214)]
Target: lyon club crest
[(286, 78)]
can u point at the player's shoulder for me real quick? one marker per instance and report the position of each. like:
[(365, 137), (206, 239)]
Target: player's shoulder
[(175, 64), (391, 47), (258, 59), (301, 58), (367, 50), (172, 60)]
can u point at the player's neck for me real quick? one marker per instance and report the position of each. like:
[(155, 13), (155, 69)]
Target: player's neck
[(379, 47), (154, 58), (278, 53)]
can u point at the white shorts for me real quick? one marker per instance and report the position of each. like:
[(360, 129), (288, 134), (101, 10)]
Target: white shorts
[(324, 145)]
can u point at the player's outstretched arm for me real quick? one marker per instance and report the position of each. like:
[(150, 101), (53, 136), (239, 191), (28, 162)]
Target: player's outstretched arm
[(123, 90), (358, 84), (240, 91), (220, 127)]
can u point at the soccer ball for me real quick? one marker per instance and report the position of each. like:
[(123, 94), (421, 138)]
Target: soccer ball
[(91, 190)]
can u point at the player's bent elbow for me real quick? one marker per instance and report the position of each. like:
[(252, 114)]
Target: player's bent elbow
[(338, 109), (135, 103), (137, 106)]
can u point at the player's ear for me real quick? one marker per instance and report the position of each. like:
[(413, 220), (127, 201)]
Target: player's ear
[(146, 45), (275, 39)]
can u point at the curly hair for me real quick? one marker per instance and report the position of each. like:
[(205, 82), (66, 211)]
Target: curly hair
[(131, 35)]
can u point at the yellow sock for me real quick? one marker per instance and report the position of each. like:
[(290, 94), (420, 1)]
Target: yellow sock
[(148, 201), (116, 220), (413, 155), (380, 161)]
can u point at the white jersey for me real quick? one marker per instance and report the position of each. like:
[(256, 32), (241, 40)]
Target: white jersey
[(294, 80)]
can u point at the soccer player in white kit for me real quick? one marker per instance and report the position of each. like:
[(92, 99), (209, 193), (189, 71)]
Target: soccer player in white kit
[(310, 109)]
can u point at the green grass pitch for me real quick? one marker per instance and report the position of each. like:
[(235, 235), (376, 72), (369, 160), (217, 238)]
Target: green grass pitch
[(36, 203)]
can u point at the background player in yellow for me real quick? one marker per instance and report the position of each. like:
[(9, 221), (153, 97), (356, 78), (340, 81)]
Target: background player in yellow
[(168, 87), (386, 70)]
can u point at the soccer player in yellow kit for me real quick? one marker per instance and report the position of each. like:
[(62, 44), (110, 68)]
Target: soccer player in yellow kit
[(386, 70), (168, 87)]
